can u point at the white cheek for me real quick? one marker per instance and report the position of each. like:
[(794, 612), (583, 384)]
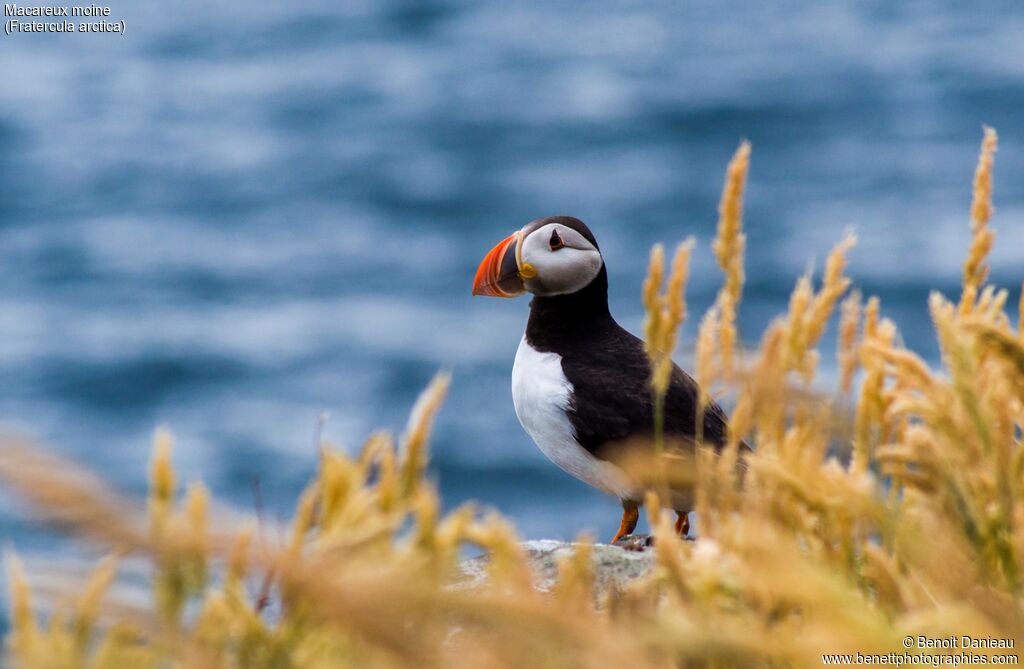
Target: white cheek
[(565, 270)]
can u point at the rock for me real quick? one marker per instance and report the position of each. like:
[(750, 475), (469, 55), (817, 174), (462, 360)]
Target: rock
[(614, 566)]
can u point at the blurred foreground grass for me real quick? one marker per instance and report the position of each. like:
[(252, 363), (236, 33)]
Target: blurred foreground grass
[(917, 528)]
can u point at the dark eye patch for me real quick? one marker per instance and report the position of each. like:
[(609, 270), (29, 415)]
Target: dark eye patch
[(555, 242)]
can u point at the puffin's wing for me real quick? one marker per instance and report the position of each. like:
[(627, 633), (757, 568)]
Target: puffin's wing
[(681, 410), (612, 400)]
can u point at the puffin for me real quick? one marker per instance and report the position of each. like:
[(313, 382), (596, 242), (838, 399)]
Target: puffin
[(581, 384)]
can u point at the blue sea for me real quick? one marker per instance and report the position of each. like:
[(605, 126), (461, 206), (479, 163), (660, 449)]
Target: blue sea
[(235, 217)]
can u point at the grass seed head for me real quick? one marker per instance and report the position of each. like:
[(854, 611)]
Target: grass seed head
[(729, 247), (162, 480), (421, 420), (975, 267), (847, 350)]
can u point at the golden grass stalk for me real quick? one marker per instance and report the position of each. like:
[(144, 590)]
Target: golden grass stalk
[(414, 456), (67, 496), (576, 577), (834, 285), (89, 605), (24, 635), (666, 312), (982, 236), (718, 331), (847, 350), (809, 311), (729, 246), (162, 481), (871, 404), (707, 345), (652, 300)]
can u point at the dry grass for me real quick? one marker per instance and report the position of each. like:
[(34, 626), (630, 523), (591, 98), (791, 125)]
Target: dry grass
[(921, 532), (665, 314), (729, 247)]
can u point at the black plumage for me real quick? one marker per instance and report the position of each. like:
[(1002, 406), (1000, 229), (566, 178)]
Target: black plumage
[(609, 370), (590, 401)]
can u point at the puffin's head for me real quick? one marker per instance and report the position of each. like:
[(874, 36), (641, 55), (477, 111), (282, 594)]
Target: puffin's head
[(556, 255)]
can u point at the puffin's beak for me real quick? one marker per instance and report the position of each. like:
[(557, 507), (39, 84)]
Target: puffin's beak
[(498, 274)]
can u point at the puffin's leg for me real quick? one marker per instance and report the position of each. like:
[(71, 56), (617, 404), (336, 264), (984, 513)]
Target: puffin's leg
[(682, 523), (630, 517)]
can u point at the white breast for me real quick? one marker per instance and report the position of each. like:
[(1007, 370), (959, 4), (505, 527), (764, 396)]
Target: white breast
[(541, 395)]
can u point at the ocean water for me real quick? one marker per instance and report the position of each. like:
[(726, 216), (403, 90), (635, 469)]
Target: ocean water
[(233, 219)]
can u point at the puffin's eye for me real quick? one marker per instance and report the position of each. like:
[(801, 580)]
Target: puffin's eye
[(555, 242)]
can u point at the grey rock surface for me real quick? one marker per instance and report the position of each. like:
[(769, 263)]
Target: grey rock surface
[(613, 566)]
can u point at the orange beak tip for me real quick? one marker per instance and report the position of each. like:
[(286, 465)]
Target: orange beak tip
[(498, 274)]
